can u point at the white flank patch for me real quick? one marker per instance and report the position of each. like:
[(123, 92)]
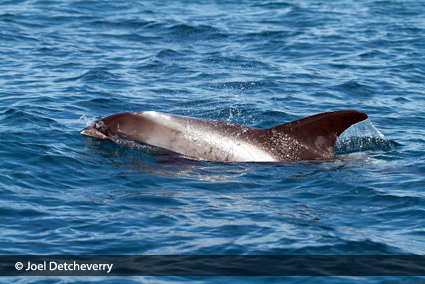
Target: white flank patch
[(206, 141)]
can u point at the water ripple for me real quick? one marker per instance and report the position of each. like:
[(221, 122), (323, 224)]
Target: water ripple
[(262, 64)]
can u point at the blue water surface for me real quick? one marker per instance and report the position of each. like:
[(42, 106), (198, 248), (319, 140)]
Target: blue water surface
[(260, 63)]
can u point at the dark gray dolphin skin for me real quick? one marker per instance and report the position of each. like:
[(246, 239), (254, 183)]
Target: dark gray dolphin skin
[(309, 138)]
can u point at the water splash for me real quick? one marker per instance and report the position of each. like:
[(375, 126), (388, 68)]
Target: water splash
[(363, 128), (88, 121), (363, 136)]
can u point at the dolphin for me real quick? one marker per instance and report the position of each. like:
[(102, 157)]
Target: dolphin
[(309, 138)]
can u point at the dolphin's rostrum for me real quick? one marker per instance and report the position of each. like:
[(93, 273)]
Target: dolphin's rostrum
[(309, 138)]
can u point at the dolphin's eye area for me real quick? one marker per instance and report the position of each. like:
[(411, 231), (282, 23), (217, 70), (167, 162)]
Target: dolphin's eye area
[(101, 127)]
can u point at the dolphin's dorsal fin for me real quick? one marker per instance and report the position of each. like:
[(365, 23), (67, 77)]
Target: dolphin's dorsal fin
[(320, 132)]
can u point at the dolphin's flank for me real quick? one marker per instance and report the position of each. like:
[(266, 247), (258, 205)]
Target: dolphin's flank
[(309, 138)]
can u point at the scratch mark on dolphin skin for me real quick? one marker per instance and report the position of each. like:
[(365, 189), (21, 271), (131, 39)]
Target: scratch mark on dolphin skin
[(320, 141)]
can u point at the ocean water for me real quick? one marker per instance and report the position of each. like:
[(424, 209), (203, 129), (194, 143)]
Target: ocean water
[(260, 63)]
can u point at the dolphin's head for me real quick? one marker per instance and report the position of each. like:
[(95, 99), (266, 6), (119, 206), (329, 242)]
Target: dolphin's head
[(111, 126)]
